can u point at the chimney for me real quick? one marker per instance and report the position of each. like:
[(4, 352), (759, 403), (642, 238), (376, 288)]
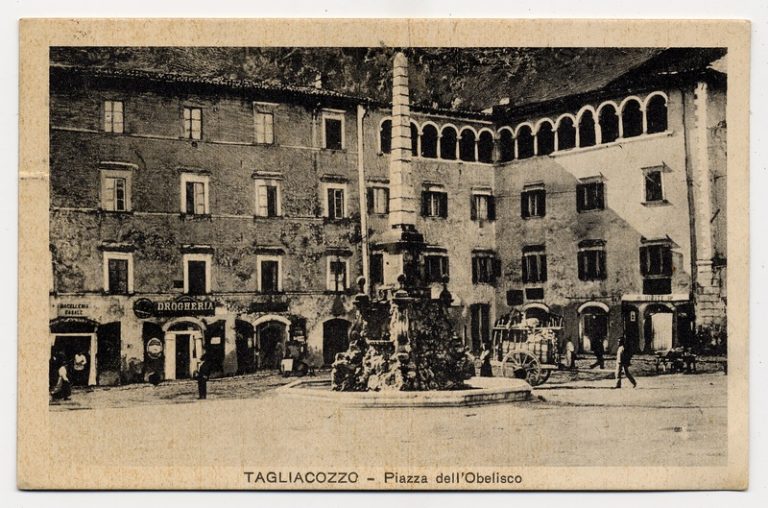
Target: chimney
[(402, 201)]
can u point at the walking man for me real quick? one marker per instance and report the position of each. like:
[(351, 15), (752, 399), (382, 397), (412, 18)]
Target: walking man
[(599, 350), (623, 357), (203, 372)]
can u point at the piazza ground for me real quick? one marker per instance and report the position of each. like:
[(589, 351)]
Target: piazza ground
[(576, 419)]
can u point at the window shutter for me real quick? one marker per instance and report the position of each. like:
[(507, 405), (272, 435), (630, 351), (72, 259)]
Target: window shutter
[(386, 200), (643, 260), (190, 198), (579, 191), (600, 196), (424, 203), (667, 258), (445, 266), (542, 203), (443, 205), (496, 267), (524, 205), (525, 269), (601, 264), (199, 198), (473, 207), (369, 199), (543, 261), (331, 205), (108, 194), (580, 260), (269, 134), (491, 207), (474, 270), (272, 201)]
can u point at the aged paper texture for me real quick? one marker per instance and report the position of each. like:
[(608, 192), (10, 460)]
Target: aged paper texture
[(383, 254)]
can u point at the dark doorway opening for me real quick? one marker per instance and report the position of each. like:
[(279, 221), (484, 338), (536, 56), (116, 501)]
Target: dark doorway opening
[(182, 355), (108, 353), (244, 345), (271, 344), (335, 339), (479, 325), (65, 347)]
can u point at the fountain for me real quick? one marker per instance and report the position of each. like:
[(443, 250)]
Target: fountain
[(403, 348)]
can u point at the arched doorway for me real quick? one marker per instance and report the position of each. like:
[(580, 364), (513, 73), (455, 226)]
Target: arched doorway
[(71, 336), (271, 337), (183, 347), (245, 346), (335, 339), (658, 328), (593, 325)]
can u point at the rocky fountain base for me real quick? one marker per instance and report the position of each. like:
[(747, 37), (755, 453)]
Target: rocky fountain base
[(403, 352)]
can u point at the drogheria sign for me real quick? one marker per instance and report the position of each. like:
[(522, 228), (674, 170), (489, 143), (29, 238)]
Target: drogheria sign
[(183, 306)]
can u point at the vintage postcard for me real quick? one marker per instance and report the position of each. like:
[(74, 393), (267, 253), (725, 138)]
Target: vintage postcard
[(383, 254)]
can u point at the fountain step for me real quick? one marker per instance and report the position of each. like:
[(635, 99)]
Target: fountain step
[(480, 391)]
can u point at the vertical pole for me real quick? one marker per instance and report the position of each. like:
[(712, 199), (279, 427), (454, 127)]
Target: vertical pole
[(363, 197)]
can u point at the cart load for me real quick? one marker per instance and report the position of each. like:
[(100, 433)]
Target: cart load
[(527, 347)]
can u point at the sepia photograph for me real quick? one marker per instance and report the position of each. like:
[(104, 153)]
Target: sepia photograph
[(390, 266)]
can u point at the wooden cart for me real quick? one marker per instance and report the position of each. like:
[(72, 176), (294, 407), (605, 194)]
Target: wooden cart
[(528, 348)]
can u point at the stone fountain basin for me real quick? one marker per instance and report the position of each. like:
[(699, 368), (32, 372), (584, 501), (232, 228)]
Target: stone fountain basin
[(479, 391)]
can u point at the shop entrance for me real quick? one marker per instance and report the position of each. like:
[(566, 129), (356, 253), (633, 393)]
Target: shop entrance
[(272, 337), (594, 327), (65, 348), (183, 349), (335, 339), (659, 324)]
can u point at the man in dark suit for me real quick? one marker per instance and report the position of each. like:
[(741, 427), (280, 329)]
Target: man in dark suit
[(623, 357), (203, 373)]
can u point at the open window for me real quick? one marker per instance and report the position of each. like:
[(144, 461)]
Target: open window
[(591, 260), (485, 147), (566, 133), (631, 119), (590, 195), (378, 200), (333, 130), (270, 276), (197, 273), (486, 267), (429, 141), (118, 272), (534, 264), (435, 267), (506, 145), (467, 145), (587, 129), (448, 143), (115, 190), (609, 124), (194, 194), (533, 201), (385, 136), (434, 202), (482, 206), (524, 142), (545, 138), (656, 267), (268, 198), (656, 114)]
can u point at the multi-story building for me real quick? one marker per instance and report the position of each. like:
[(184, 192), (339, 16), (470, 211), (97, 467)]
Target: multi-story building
[(191, 214)]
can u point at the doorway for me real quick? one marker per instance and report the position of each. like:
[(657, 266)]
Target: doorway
[(183, 349), (64, 349), (659, 326), (594, 327), (271, 338), (335, 339)]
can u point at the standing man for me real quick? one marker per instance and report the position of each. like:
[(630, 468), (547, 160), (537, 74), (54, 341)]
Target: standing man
[(80, 376), (623, 357), (599, 350), (203, 372)]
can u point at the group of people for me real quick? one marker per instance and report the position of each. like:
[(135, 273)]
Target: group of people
[(62, 378), (623, 360)]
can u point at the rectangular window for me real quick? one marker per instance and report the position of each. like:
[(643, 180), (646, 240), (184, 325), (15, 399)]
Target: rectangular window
[(377, 268), (115, 190), (378, 200), (193, 123), (486, 268), (264, 125), (590, 196), (268, 198), (335, 202), (434, 204), (333, 131), (656, 260), (654, 190), (113, 116), (194, 194), (118, 273), (591, 260), (337, 274), (534, 264), (533, 203), (197, 276), (435, 267), (482, 207), (269, 275)]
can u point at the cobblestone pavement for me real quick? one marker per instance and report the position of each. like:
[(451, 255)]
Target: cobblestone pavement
[(672, 419)]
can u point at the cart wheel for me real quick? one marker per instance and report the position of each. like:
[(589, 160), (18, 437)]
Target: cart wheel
[(544, 376), (523, 365)]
